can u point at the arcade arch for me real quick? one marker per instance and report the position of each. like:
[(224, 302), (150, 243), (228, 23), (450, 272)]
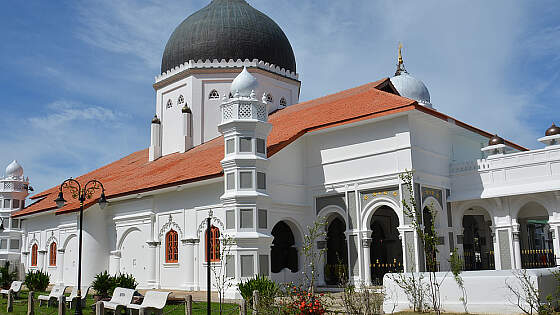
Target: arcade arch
[(478, 245), (386, 254), (535, 236)]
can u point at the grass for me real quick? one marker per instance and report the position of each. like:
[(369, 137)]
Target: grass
[(20, 307)]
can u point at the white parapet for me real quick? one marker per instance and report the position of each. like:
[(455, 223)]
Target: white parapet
[(487, 291)]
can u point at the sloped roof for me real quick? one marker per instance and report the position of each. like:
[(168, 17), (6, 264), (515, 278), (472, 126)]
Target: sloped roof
[(135, 174)]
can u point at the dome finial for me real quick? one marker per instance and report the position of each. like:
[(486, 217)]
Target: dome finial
[(400, 63)]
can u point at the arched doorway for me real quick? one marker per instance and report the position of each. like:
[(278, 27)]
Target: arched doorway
[(386, 247), (535, 237), (336, 267), (283, 253), (478, 245)]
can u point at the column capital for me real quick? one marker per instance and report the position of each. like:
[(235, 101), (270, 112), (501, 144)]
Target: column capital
[(366, 242), (153, 243), (115, 253), (190, 241), (61, 250)]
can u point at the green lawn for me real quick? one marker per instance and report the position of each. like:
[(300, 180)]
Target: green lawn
[(20, 307)]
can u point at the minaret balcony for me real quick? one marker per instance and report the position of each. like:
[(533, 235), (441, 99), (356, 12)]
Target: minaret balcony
[(13, 186), (241, 110)]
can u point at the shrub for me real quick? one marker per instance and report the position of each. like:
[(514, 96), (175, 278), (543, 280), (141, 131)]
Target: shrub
[(266, 287), (103, 284), (124, 280), (37, 281), (7, 276)]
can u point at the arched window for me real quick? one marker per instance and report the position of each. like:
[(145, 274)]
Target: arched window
[(230, 95), (171, 247), (180, 100), (169, 104), (269, 98), (282, 102), (52, 254), (214, 95), (214, 244), (34, 250)]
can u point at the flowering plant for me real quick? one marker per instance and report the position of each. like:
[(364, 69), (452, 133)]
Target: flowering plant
[(306, 303)]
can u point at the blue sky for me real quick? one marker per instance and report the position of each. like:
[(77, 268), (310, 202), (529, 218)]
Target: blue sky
[(77, 75)]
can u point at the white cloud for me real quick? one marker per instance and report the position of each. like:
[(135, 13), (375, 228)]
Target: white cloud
[(71, 138)]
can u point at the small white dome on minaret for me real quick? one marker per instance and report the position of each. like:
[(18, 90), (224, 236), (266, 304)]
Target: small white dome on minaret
[(14, 169), (244, 84)]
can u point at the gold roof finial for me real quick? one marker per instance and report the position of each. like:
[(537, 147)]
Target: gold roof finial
[(400, 64), (400, 54)]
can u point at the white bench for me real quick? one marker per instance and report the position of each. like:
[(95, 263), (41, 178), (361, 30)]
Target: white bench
[(120, 299), (55, 293), (74, 293), (153, 301), (15, 287)]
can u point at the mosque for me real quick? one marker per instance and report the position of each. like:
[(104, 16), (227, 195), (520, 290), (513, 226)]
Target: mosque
[(230, 139)]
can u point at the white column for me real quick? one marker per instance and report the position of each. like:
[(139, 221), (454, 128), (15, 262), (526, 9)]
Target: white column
[(196, 265), (555, 228), (60, 265), (152, 264), (366, 245), (516, 247), (41, 264), (115, 262), (189, 258)]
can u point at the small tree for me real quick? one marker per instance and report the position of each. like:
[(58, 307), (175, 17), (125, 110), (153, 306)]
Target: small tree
[(525, 295), (456, 268), (427, 235), (221, 279)]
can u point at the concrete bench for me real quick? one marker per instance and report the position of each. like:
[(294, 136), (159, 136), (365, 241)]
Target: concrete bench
[(15, 287), (74, 294), (120, 299), (153, 301), (55, 293)]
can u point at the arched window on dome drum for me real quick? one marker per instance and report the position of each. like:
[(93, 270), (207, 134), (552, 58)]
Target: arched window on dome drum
[(283, 253), (34, 250), (269, 98), (214, 95), (171, 247), (282, 102), (214, 244), (180, 100), (52, 254), (169, 104)]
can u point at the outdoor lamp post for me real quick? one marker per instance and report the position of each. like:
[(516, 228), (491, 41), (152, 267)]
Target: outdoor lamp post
[(81, 194)]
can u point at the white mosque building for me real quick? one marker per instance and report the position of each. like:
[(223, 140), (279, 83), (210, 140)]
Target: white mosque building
[(231, 138)]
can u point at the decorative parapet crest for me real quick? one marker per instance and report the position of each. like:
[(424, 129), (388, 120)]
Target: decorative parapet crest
[(200, 64), (168, 225)]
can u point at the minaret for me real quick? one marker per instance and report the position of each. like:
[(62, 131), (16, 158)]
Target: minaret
[(155, 137), (14, 188), (245, 127)]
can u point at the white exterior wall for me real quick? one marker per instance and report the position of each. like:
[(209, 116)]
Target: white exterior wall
[(196, 89)]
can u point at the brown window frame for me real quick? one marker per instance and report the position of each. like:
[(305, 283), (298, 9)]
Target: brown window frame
[(214, 244), (34, 250), (172, 247), (52, 254)]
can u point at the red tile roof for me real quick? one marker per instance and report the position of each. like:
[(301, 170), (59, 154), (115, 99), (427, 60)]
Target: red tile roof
[(134, 174)]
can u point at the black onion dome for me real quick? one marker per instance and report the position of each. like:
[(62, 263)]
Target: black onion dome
[(495, 140), (552, 130), (228, 29)]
